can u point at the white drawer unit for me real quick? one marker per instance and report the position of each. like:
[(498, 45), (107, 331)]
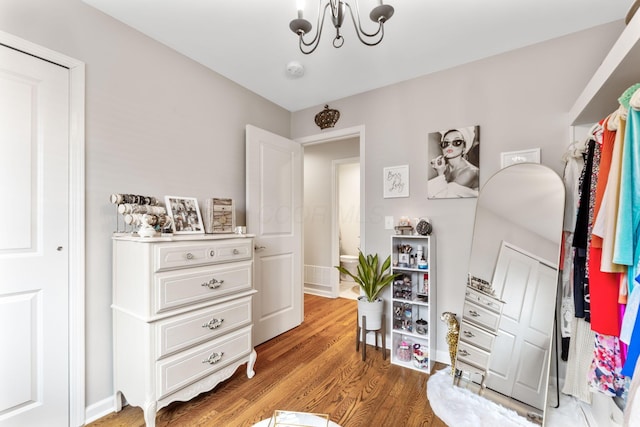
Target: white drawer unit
[(480, 316), (478, 330), (181, 317)]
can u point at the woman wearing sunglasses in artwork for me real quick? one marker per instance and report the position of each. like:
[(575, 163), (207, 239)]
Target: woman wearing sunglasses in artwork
[(455, 176)]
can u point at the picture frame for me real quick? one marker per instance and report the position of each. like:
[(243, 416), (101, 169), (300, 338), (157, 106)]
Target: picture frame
[(453, 163), (395, 181), (219, 216), (508, 158), (185, 213)]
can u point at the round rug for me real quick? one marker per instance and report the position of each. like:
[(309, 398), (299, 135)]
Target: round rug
[(459, 407)]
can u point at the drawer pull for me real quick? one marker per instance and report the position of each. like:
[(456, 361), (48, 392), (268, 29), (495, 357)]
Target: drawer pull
[(213, 358), (212, 253), (213, 284), (236, 252), (474, 313), (189, 255), (463, 352), (213, 323), (468, 334)]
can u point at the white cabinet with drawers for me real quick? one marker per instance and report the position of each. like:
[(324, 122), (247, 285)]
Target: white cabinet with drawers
[(181, 316), (478, 330)]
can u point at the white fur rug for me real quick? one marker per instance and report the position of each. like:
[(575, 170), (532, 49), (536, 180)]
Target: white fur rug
[(459, 407)]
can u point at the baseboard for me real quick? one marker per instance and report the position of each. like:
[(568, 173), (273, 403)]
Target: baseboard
[(99, 409)]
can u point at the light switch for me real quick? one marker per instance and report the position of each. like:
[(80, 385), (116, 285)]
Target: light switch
[(388, 222)]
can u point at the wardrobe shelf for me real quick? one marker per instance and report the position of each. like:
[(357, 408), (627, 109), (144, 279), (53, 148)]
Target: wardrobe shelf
[(619, 70)]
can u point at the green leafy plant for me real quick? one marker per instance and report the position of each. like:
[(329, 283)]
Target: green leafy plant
[(372, 276)]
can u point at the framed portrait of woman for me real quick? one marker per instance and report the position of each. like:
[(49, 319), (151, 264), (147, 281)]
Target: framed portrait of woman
[(453, 163)]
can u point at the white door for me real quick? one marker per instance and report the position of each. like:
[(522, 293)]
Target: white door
[(274, 216), (519, 358), (34, 134)]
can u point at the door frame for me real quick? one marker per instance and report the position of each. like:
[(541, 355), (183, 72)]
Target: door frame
[(335, 219), (336, 135), (76, 243)]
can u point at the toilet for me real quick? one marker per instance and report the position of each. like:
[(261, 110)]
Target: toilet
[(350, 263)]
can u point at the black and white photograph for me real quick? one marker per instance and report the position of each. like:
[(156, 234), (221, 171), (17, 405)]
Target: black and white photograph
[(453, 163), (185, 214)]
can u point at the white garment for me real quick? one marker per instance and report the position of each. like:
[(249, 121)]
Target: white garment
[(572, 170), (630, 314), (605, 223), (579, 362), (438, 187)]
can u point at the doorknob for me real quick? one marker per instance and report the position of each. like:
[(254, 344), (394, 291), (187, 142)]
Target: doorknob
[(257, 248)]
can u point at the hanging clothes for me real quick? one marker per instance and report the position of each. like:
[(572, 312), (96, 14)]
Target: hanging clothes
[(605, 373), (604, 288), (581, 237)]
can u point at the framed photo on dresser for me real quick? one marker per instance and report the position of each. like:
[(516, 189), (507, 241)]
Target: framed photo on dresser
[(185, 213)]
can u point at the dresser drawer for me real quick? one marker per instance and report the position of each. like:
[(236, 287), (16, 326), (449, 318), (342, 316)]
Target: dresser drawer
[(472, 355), (481, 316), (187, 330), (183, 287), (185, 368), (461, 366), (483, 300), (476, 336), (192, 254)]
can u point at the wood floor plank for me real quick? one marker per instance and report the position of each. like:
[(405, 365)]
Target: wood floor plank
[(313, 368)]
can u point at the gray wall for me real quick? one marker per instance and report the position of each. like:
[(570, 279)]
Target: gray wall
[(519, 99), (157, 124)]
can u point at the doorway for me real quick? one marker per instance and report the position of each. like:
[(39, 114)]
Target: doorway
[(346, 220), (324, 157)]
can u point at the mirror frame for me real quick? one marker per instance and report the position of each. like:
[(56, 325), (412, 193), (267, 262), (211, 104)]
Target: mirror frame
[(521, 205)]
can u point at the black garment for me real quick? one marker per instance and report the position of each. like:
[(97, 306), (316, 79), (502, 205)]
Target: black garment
[(581, 238)]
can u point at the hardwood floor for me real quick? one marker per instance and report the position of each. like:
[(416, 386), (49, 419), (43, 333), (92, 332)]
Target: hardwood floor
[(313, 368)]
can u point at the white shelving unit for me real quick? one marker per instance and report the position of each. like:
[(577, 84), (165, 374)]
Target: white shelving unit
[(413, 299)]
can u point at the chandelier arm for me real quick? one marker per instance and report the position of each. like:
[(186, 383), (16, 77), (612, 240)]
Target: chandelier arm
[(316, 40), (358, 26)]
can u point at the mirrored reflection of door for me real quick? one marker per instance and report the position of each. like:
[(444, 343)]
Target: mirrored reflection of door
[(518, 365)]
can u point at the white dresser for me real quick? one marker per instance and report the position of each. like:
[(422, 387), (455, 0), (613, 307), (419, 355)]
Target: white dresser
[(181, 316), (478, 331)]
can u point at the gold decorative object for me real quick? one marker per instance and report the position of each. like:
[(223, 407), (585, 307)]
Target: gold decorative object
[(327, 118), (452, 337)]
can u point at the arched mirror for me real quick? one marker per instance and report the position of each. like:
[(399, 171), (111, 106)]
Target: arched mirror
[(506, 330)]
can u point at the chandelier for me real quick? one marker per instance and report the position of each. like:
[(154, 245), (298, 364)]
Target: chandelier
[(380, 14)]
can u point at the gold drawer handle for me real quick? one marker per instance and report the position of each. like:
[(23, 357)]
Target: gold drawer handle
[(474, 313), (468, 334), (213, 358), (213, 323), (463, 352), (213, 284)]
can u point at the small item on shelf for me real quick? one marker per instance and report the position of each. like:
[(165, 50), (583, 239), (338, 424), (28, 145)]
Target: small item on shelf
[(422, 326), (420, 356), (403, 353)]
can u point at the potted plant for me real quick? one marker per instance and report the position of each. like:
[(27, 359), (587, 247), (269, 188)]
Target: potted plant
[(372, 279)]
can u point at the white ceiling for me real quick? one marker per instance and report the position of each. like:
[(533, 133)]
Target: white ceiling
[(249, 41)]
